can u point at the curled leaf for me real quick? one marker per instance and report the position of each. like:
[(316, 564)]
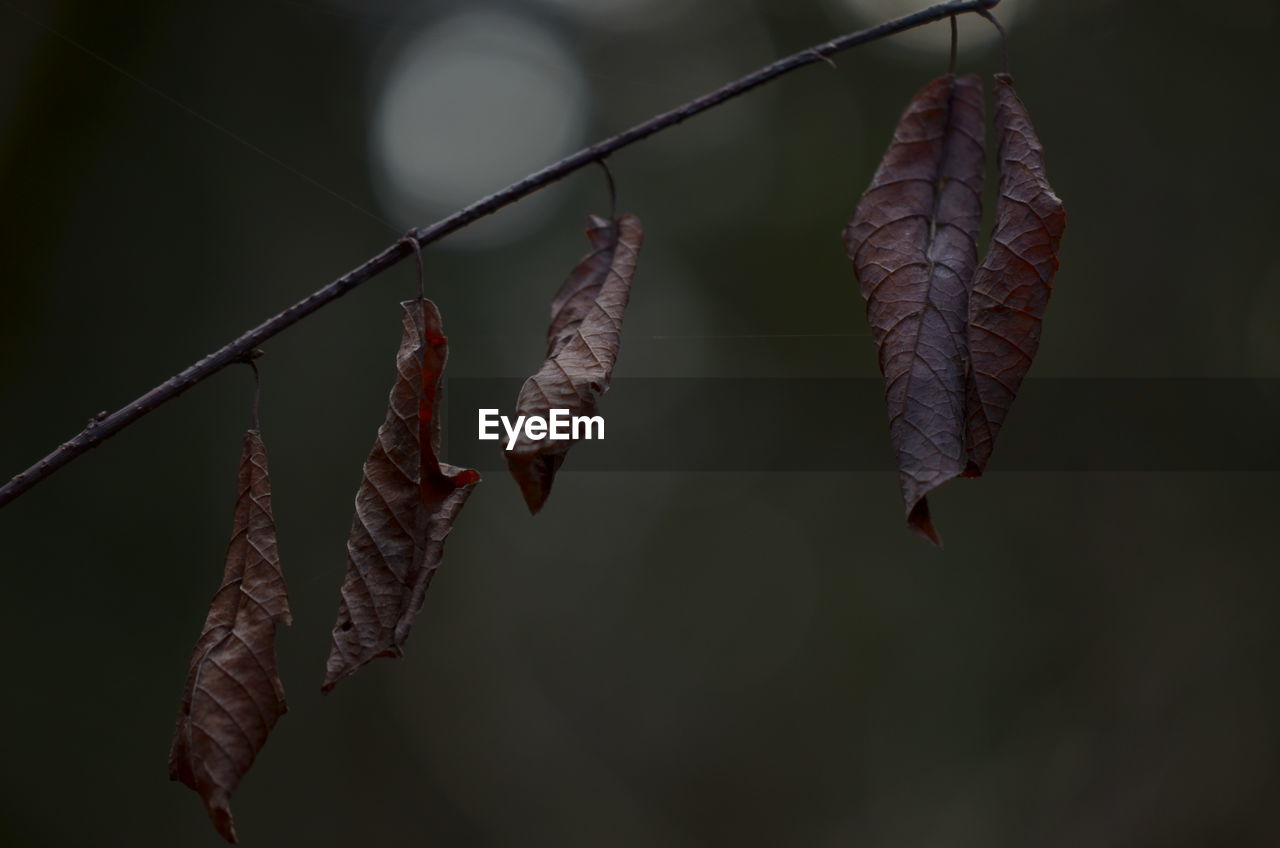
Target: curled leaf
[(582, 346), (1012, 286), (913, 244), (405, 507), (233, 695)]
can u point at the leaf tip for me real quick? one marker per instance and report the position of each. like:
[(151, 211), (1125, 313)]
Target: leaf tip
[(335, 673), (221, 816), (535, 475), (920, 521), (535, 495), (337, 668)]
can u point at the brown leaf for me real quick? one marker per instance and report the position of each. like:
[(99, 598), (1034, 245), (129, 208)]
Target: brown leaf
[(582, 346), (405, 507), (233, 695), (1012, 286), (913, 244)]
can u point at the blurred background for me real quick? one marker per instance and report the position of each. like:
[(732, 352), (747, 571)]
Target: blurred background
[(674, 658)]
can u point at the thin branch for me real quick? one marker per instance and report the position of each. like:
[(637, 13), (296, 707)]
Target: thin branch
[(100, 428)]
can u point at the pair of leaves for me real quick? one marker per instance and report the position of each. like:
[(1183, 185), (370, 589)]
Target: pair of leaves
[(408, 499), (583, 340), (405, 508), (955, 339)]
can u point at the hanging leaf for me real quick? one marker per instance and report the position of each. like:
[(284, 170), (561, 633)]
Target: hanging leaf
[(405, 507), (582, 346), (1012, 286), (233, 695), (913, 244)]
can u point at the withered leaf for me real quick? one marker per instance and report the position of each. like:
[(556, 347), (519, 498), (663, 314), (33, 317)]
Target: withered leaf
[(913, 244), (233, 695), (1012, 286), (405, 507), (582, 347)]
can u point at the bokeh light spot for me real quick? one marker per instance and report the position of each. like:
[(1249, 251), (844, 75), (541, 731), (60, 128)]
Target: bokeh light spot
[(468, 105)]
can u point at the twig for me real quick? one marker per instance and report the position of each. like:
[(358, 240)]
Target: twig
[(101, 428)]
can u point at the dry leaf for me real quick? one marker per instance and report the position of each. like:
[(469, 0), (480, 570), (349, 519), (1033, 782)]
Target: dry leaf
[(405, 507), (582, 346), (913, 244), (1011, 288), (233, 695)]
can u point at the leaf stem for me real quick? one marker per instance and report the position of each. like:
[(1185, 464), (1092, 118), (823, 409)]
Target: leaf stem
[(1004, 38), (613, 189), (256, 417), (417, 255), (955, 40)]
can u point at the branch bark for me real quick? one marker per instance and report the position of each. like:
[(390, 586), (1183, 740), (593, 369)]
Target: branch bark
[(102, 428)]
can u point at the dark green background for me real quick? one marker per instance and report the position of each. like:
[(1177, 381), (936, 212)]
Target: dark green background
[(659, 658)]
